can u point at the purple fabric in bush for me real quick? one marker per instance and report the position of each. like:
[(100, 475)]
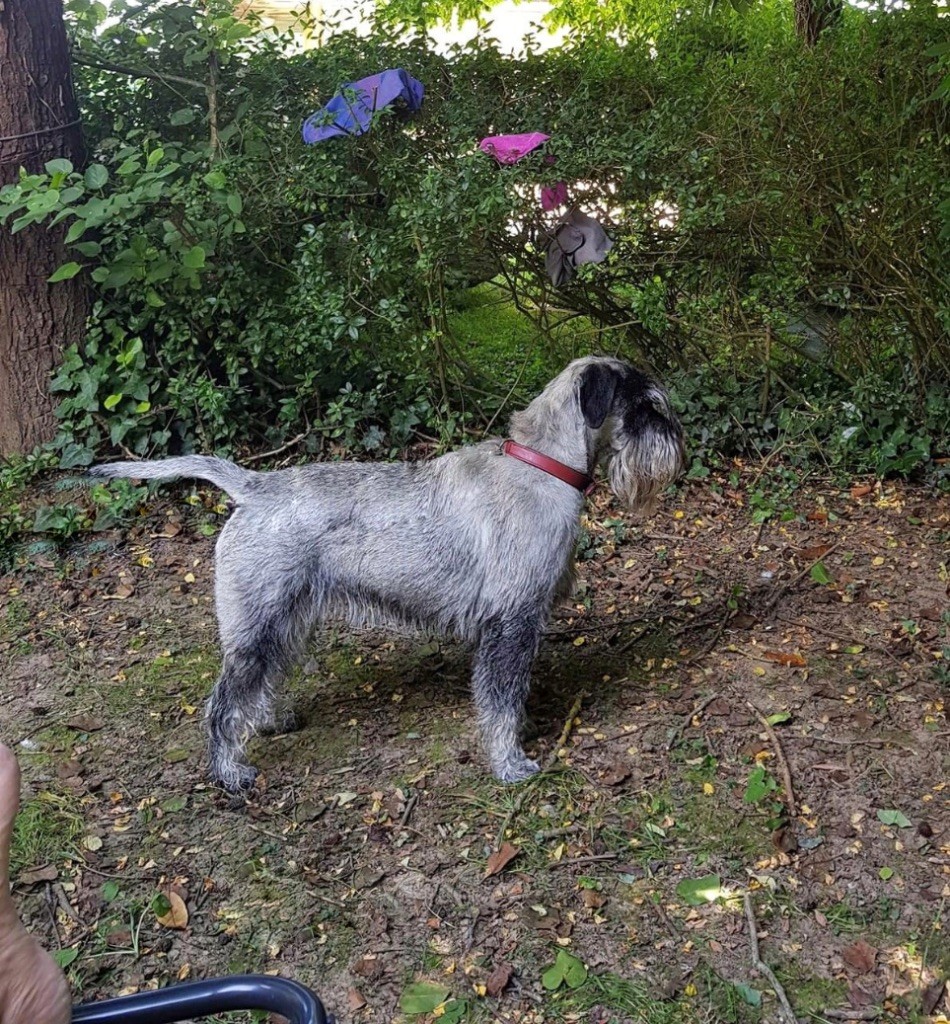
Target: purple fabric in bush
[(554, 196), (509, 149), (351, 111)]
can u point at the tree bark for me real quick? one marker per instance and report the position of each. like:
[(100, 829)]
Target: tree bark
[(39, 121)]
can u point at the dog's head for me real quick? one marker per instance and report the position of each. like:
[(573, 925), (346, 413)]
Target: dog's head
[(633, 426)]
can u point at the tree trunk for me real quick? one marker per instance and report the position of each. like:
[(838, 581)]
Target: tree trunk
[(812, 17), (39, 121)]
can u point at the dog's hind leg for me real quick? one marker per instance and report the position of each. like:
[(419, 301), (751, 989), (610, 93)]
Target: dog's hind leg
[(501, 678), (256, 660)]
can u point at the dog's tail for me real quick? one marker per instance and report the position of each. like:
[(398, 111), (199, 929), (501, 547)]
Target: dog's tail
[(220, 472)]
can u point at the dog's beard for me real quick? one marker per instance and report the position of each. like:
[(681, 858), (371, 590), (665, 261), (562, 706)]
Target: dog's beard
[(640, 468)]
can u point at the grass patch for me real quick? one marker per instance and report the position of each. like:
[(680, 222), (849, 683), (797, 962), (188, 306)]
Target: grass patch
[(48, 828)]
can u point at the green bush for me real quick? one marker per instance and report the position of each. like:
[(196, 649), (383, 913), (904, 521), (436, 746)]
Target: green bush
[(776, 212)]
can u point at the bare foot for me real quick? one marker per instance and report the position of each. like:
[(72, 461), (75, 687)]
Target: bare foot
[(33, 989)]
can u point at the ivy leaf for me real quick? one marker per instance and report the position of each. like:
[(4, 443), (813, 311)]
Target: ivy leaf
[(820, 574), (112, 401), (96, 176), (697, 891), (194, 258), (183, 116), (65, 272), (60, 166), (893, 818)]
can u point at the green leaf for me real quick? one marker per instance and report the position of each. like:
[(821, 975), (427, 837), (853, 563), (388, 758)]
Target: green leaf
[(893, 818), (422, 997), (751, 996), (575, 971), (235, 204), (155, 157), (820, 574), (161, 905), (885, 873), (153, 298), (779, 717), (110, 890), (60, 166), (216, 179), (64, 957), (96, 176), (697, 891), (65, 272), (552, 978), (112, 401), (75, 231), (194, 258), (183, 116)]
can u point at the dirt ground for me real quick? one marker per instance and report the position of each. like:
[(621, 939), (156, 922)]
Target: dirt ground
[(743, 725)]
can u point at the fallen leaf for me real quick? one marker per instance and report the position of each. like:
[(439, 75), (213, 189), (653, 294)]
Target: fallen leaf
[(354, 1000), (422, 997), (861, 491), (498, 979), (500, 859), (810, 554), (84, 723), (817, 517), (47, 874), (121, 592), (861, 956), (177, 914), (784, 658)]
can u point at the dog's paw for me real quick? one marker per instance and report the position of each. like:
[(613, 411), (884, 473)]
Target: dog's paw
[(235, 778), (517, 769), (285, 721)]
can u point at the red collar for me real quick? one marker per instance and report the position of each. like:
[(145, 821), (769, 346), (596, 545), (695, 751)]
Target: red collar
[(568, 474)]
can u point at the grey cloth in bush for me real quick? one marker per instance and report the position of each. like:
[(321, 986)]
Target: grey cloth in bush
[(575, 239)]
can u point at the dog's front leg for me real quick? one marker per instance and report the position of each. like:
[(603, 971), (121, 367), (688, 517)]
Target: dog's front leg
[(501, 677)]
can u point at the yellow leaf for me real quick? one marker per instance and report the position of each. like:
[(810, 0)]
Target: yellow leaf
[(630, 563), (579, 641), (709, 788), (146, 561), (679, 514), (690, 991), (189, 577), (879, 560), (177, 916)]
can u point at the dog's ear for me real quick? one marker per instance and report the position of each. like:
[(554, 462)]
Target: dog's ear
[(596, 393)]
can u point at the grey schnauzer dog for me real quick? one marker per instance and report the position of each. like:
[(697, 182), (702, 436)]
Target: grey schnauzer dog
[(477, 543)]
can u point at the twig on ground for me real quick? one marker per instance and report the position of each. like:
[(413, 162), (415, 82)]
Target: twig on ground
[(720, 629), (548, 764), (868, 1013), (796, 579), (583, 860), (780, 757), (699, 709), (408, 809), (787, 1013)]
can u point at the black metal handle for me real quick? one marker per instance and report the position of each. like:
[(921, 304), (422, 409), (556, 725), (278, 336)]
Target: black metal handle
[(200, 998)]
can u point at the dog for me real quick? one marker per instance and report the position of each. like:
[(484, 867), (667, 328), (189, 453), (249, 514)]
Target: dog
[(478, 543)]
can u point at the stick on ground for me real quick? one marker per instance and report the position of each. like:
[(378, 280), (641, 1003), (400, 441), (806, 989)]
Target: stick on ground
[(552, 759), (787, 1013), (780, 758)]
